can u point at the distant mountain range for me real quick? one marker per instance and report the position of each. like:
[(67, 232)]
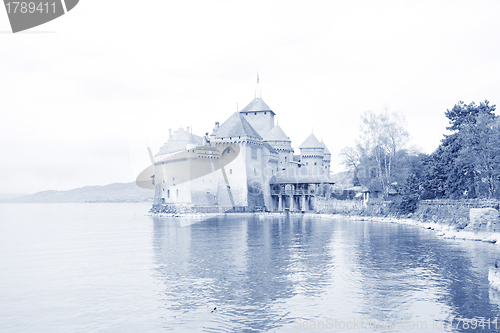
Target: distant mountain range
[(117, 192), (11, 195)]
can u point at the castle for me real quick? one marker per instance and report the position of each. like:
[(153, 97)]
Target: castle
[(266, 175)]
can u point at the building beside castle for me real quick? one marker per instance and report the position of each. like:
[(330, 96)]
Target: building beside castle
[(266, 175)]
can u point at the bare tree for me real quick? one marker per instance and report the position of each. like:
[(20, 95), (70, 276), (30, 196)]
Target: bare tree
[(350, 157), (382, 136)]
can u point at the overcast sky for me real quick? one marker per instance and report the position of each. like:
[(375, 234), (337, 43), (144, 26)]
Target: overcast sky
[(82, 97)]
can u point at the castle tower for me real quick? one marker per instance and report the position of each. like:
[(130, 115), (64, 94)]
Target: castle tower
[(283, 145), (311, 154), (169, 190), (245, 174), (259, 115)]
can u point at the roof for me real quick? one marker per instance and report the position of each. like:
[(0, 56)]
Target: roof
[(311, 142), (276, 134), (358, 188), (235, 126), (256, 105), (327, 152), (270, 148)]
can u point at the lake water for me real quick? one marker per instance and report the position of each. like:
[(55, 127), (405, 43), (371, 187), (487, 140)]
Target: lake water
[(111, 268)]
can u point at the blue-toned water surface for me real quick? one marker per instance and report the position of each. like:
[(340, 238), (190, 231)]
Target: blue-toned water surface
[(110, 268)]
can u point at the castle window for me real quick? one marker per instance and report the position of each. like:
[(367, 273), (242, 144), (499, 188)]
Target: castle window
[(314, 163), (168, 193), (255, 113), (177, 193), (230, 171), (265, 112), (307, 163)]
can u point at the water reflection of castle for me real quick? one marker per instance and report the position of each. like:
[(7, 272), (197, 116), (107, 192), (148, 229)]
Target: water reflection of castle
[(266, 175)]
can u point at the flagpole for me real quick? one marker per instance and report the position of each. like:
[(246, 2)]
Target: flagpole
[(257, 83)]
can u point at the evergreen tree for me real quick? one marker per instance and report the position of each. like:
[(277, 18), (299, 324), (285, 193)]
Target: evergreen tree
[(467, 157)]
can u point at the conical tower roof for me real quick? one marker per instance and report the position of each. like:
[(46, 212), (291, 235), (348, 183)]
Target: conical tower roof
[(327, 152), (256, 105), (276, 134), (235, 126), (311, 142)]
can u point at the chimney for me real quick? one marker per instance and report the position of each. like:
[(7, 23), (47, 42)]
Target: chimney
[(216, 126)]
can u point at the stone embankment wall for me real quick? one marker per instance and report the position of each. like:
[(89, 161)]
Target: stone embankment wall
[(182, 209), (471, 215), (475, 215)]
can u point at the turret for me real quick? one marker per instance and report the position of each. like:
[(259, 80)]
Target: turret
[(311, 154), (282, 144)]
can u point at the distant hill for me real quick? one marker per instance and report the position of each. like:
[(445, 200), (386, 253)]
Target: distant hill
[(117, 192), (10, 195)]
